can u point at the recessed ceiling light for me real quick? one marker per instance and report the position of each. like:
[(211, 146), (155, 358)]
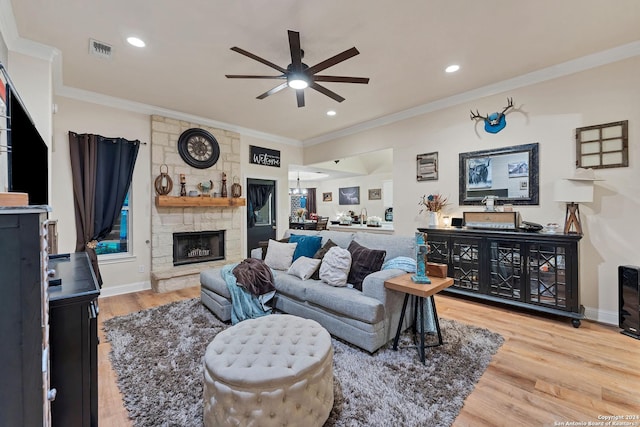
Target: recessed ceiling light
[(452, 68), (331, 113), (134, 41)]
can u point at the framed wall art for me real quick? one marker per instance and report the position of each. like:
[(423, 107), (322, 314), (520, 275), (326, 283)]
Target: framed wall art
[(375, 194), (327, 197), (427, 167), (510, 174), (349, 196)]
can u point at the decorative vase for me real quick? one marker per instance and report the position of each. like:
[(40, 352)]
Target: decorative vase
[(433, 218)]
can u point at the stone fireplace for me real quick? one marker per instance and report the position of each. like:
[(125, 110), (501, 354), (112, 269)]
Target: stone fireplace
[(198, 246), (167, 221)]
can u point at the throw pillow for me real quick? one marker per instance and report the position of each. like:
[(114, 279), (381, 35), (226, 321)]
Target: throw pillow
[(364, 261), (307, 245), (320, 253), (335, 266), (402, 263), (279, 255), (304, 267), (265, 244)]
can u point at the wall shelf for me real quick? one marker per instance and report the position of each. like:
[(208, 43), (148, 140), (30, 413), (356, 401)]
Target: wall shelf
[(187, 202)]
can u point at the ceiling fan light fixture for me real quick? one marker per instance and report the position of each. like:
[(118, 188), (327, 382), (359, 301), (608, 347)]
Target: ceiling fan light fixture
[(296, 81)]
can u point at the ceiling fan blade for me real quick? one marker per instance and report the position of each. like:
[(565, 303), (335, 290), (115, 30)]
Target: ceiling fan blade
[(326, 91), (257, 58), (349, 53), (244, 76), (341, 79), (272, 91), (296, 53), (300, 97)]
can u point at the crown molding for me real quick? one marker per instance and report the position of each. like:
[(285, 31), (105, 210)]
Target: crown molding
[(584, 63), (138, 107), (14, 43)]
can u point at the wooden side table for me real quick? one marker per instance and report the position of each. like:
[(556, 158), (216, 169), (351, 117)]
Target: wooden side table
[(421, 291)]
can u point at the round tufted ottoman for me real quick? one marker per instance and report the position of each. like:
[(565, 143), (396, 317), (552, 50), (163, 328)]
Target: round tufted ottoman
[(275, 370)]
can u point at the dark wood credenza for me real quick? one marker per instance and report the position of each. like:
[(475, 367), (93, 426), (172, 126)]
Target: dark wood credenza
[(534, 271)]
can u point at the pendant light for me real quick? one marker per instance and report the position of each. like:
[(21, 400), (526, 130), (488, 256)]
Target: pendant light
[(298, 190)]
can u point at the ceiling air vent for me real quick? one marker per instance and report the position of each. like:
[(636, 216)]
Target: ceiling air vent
[(100, 49)]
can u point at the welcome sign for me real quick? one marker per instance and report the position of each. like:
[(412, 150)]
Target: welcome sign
[(264, 156)]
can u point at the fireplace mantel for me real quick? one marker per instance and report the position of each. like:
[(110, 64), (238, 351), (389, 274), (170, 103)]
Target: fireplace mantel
[(199, 201)]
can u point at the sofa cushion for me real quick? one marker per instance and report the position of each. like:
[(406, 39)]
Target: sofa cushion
[(394, 245), (363, 262), (304, 267), (307, 245), (345, 302), (341, 238), (320, 253), (279, 255), (263, 245), (293, 286), (335, 266)]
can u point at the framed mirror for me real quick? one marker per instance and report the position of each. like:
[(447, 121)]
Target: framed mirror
[(510, 174)]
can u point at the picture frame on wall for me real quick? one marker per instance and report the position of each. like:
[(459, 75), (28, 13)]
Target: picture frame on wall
[(327, 197), (427, 167), (375, 194), (349, 196)]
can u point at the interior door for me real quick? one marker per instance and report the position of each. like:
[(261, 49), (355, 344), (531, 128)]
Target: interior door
[(264, 228)]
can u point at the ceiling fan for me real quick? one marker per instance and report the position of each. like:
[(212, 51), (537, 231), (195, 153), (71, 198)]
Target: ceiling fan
[(299, 75)]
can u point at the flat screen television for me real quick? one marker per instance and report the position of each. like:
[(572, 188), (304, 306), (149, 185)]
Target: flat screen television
[(23, 153)]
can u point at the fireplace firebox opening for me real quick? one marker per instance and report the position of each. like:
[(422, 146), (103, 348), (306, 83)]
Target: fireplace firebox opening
[(198, 246)]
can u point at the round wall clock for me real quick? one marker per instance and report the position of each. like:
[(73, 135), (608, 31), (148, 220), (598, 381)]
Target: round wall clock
[(198, 148)]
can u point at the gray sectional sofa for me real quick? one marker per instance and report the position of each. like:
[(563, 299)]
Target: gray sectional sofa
[(367, 319)]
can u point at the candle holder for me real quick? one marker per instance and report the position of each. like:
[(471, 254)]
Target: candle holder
[(183, 183), (163, 183), (223, 189)]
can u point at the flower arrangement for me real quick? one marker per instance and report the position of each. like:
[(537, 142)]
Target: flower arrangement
[(432, 202), (300, 212)]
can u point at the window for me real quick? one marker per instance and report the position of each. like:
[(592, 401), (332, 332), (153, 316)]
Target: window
[(118, 240), (263, 216), (603, 146)]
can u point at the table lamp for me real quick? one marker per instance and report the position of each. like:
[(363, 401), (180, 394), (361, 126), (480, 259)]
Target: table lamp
[(574, 190)]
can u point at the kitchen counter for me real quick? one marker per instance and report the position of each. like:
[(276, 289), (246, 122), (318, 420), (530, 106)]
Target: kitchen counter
[(386, 228)]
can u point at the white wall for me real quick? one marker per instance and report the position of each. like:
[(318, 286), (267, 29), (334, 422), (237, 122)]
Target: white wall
[(289, 154), (122, 274), (548, 114)]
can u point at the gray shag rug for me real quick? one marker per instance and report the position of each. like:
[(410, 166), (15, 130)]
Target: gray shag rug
[(158, 353)]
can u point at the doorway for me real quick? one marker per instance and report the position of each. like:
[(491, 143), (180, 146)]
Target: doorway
[(261, 212)]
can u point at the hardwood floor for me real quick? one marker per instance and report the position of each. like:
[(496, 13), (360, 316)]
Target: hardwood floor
[(546, 373)]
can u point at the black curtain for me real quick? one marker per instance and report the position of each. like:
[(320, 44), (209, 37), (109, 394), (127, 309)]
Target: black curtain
[(257, 196), (102, 169), (312, 204)]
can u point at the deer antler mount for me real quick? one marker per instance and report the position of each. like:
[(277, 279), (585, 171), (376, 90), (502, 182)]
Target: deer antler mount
[(494, 122)]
